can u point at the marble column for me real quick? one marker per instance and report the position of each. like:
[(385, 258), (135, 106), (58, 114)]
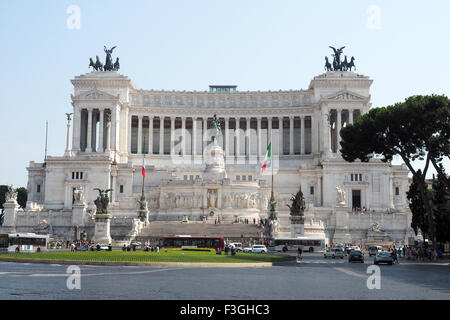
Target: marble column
[(194, 136), (183, 136), (280, 132), (108, 134), (113, 186), (139, 140), (76, 137), (226, 137), (237, 134), (302, 135), (269, 132), (350, 116), (150, 135), (172, 136), (248, 149), (89, 132), (100, 132), (338, 130), (129, 131), (161, 135), (67, 151), (205, 134), (258, 137), (291, 135)]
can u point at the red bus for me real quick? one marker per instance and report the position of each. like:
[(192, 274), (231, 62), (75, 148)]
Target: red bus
[(185, 241)]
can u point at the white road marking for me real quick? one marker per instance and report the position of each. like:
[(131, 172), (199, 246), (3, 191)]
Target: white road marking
[(100, 274), (351, 273)]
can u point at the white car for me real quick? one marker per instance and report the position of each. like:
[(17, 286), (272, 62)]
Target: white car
[(334, 253), (258, 248), (237, 246), (104, 246), (247, 250)]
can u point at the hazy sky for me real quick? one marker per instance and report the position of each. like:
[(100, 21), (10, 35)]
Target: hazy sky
[(187, 45)]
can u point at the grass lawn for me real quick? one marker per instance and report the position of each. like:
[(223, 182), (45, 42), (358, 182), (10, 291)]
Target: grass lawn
[(172, 255)]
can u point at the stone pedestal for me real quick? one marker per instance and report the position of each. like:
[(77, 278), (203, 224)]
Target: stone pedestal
[(185, 219), (341, 232), (102, 228), (297, 226), (78, 214), (10, 212)]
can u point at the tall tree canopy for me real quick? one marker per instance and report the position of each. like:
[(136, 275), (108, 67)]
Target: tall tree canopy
[(418, 128)]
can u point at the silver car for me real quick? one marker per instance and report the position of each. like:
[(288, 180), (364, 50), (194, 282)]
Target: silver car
[(334, 253), (383, 257)]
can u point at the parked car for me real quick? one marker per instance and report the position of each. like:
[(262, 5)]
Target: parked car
[(83, 248), (247, 250), (374, 250), (334, 253), (383, 257), (356, 255), (104, 247), (259, 248), (237, 246)]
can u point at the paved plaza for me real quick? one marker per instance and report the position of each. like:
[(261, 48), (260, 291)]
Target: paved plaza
[(314, 278)]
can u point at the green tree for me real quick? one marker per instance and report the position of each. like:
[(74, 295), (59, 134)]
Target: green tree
[(3, 191), (417, 128), (419, 216), (22, 196), (441, 209)]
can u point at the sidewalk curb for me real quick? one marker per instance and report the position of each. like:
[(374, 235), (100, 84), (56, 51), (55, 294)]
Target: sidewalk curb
[(147, 264)]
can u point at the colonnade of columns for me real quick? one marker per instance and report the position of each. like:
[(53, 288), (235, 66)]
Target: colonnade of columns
[(247, 139), (337, 118), (87, 137)]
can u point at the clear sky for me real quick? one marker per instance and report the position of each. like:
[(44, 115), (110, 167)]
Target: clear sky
[(187, 45)]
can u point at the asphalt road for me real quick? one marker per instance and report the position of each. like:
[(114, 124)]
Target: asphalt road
[(313, 278)]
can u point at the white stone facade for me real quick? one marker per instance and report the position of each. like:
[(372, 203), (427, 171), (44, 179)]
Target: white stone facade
[(114, 124)]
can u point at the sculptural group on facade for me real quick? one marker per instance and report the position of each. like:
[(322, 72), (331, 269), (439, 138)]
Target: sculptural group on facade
[(340, 197), (337, 64), (171, 200), (375, 227), (78, 195), (109, 66), (102, 201), (11, 194)]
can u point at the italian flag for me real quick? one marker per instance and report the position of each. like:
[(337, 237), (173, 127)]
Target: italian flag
[(143, 165), (267, 159)]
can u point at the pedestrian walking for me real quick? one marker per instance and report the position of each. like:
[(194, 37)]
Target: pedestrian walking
[(299, 253)]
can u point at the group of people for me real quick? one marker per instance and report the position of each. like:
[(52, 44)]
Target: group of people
[(422, 253), (359, 210)]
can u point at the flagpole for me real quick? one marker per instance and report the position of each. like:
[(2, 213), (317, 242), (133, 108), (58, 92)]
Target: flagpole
[(271, 158)]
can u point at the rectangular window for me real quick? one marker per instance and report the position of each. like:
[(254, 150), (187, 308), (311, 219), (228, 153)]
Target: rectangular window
[(250, 178), (81, 175), (238, 178), (77, 175), (351, 177), (121, 188), (244, 178), (38, 189), (360, 177), (397, 191), (311, 190)]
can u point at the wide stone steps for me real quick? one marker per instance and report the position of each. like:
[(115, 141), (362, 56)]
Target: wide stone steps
[(158, 229)]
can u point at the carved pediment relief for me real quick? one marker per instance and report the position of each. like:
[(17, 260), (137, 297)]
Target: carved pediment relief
[(345, 95), (95, 95)]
